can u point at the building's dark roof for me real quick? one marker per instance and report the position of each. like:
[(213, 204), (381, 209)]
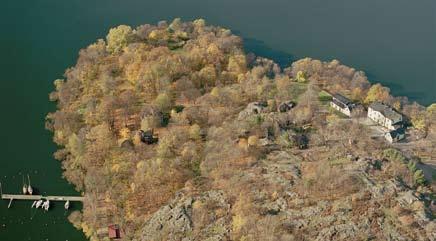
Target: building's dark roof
[(395, 133), (387, 111), (342, 101)]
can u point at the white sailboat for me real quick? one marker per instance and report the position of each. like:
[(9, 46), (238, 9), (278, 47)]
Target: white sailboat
[(24, 187), (33, 204), (38, 204), (46, 205), (29, 188), (67, 205)]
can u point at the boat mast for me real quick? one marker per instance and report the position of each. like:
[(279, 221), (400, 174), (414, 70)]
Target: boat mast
[(29, 188)]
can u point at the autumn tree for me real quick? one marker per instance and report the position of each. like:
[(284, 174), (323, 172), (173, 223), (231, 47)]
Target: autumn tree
[(378, 92), (118, 38)]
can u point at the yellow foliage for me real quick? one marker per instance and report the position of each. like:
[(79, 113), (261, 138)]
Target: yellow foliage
[(153, 35), (357, 94), (397, 105), (237, 64), (88, 231), (419, 121), (272, 104), (243, 143), (431, 108), (125, 133), (208, 74), (115, 167), (213, 49), (332, 118), (301, 77), (181, 34), (238, 221), (241, 78), (199, 22), (243, 238), (118, 38), (163, 101), (197, 205), (194, 132), (377, 92), (252, 141), (140, 165), (137, 139), (215, 92)]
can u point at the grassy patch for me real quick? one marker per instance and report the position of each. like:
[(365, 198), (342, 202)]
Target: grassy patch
[(338, 161), (338, 113), (323, 96), (296, 90)]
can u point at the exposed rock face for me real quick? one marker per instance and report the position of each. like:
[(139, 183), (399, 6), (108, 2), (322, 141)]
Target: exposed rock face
[(176, 220), (365, 214)]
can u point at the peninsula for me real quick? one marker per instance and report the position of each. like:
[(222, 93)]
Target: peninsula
[(173, 132)]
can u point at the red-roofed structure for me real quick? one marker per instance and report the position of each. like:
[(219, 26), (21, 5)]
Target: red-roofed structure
[(114, 231)]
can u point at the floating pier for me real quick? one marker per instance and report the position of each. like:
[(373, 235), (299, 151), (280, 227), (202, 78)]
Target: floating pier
[(12, 197), (39, 197)]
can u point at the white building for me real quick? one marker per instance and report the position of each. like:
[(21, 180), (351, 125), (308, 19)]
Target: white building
[(385, 116), (342, 104)]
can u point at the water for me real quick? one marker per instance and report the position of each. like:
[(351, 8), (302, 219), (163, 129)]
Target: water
[(392, 40)]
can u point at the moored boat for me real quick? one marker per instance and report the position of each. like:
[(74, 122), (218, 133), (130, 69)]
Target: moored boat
[(29, 188), (24, 187), (46, 205), (67, 205), (33, 204), (38, 204)]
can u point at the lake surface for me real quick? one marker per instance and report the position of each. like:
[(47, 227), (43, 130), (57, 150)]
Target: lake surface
[(392, 40)]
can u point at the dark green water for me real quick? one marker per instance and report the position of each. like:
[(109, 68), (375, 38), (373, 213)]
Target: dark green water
[(392, 40)]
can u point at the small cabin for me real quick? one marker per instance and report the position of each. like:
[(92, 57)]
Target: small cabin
[(114, 231), (286, 106), (301, 141), (148, 136), (342, 104), (257, 107), (395, 135), (254, 108)]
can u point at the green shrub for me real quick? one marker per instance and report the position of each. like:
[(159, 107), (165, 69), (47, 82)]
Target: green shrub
[(419, 178), (394, 155), (324, 96)]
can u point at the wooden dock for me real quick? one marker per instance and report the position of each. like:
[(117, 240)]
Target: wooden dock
[(12, 197), (39, 197)]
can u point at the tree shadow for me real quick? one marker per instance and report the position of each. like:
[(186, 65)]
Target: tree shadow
[(398, 89), (259, 48)]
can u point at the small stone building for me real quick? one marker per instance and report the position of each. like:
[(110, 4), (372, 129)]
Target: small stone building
[(395, 135)]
